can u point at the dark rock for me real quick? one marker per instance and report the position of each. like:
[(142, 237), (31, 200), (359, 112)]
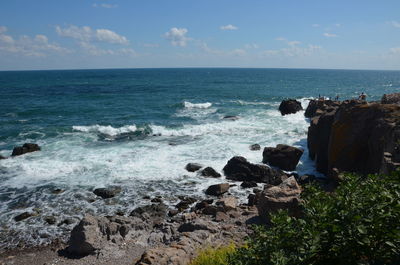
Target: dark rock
[(284, 196), (231, 117), (217, 189), (156, 200), (67, 221), (391, 98), (318, 107), (51, 220), (26, 148), (221, 217), (283, 156), (146, 197), (57, 191), (154, 212), (192, 167), (212, 210), (23, 216), (203, 204), (290, 106), (185, 203), (210, 172), (239, 169), (106, 193), (306, 179), (85, 237), (248, 184), (255, 147), (172, 212), (2, 157), (193, 226)]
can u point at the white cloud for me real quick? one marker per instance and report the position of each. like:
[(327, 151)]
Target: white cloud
[(251, 46), (177, 36), (395, 24), (39, 46), (315, 25), (228, 27), (87, 34), (293, 43), (395, 50), (104, 5), (330, 35), (293, 50)]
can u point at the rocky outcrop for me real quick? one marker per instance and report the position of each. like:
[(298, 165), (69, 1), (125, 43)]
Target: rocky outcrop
[(290, 106), (284, 196), (283, 156), (391, 98), (231, 118), (24, 215), (210, 172), (317, 107), (154, 213), (107, 193), (255, 147), (26, 148), (2, 157), (193, 167), (357, 137), (217, 189), (239, 169)]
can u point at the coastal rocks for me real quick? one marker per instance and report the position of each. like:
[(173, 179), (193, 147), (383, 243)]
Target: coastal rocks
[(51, 220), (197, 224), (391, 98), (217, 189), (24, 215), (290, 106), (85, 237), (26, 148), (284, 196), (228, 203), (318, 107), (154, 213), (231, 118), (248, 184), (107, 193), (255, 147), (210, 172), (185, 203), (239, 169), (283, 156), (193, 167), (2, 157)]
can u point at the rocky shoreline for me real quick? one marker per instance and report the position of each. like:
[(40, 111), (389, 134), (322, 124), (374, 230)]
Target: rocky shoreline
[(352, 135)]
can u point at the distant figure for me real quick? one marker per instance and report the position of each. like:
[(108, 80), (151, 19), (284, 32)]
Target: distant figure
[(337, 98), (362, 96)]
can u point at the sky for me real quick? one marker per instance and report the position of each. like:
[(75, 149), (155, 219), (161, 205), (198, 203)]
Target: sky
[(91, 34)]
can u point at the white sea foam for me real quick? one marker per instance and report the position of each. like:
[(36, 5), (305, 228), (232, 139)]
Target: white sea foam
[(190, 105), (108, 130)]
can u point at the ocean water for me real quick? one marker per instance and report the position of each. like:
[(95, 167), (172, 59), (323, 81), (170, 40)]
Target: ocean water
[(138, 128)]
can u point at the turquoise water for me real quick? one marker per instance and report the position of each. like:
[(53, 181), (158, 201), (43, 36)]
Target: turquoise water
[(137, 128)]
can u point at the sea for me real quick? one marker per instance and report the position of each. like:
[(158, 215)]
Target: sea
[(136, 129)]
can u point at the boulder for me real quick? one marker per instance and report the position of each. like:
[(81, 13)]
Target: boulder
[(193, 167), (2, 157), (391, 98), (284, 196), (283, 156), (239, 169), (248, 184), (221, 217), (24, 215), (51, 220), (218, 189), (185, 203), (85, 237), (290, 106), (193, 226), (203, 204), (155, 213), (106, 193), (306, 179), (228, 203), (255, 147), (231, 117), (318, 107), (210, 172), (26, 148)]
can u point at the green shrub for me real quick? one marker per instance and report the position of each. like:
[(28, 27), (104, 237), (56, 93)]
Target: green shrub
[(357, 224), (214, 256)]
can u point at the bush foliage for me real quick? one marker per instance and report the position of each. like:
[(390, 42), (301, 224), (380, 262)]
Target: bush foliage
[(357, 224), (214, 256)]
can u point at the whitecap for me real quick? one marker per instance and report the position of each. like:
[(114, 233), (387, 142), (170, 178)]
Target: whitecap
[(108, 130), (190, 105)]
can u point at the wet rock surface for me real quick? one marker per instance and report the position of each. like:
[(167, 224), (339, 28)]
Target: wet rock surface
[(210, 172), (283, 156), (26, 148), (290, 106), (193, 167)]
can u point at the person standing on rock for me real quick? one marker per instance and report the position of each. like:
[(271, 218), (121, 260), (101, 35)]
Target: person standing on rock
[(362, 96)]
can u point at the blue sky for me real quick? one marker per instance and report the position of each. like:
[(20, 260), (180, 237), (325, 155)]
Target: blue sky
[(78, 34)]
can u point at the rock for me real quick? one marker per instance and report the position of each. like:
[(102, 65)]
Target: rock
[(210, 172), (67, 221), (154, 212), (193, 167), (318, 107), (156, 200), (231, 117), (23, 216), (193, 226), (239, 169), (218, 189), (290, 106), (26, 148), (212, 210), (57, 191), (306, 179), (203, 204), (172, 212), (221, 217), (391, 98), (106, 193), (255, 147), (51, 220), (228, 203), (248, 184), (2, 157), (85, 237), (185, 203), (284, 196), (283, 156)]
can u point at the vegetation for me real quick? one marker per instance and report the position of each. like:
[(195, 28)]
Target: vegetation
[(357, 224), (214, 256)]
